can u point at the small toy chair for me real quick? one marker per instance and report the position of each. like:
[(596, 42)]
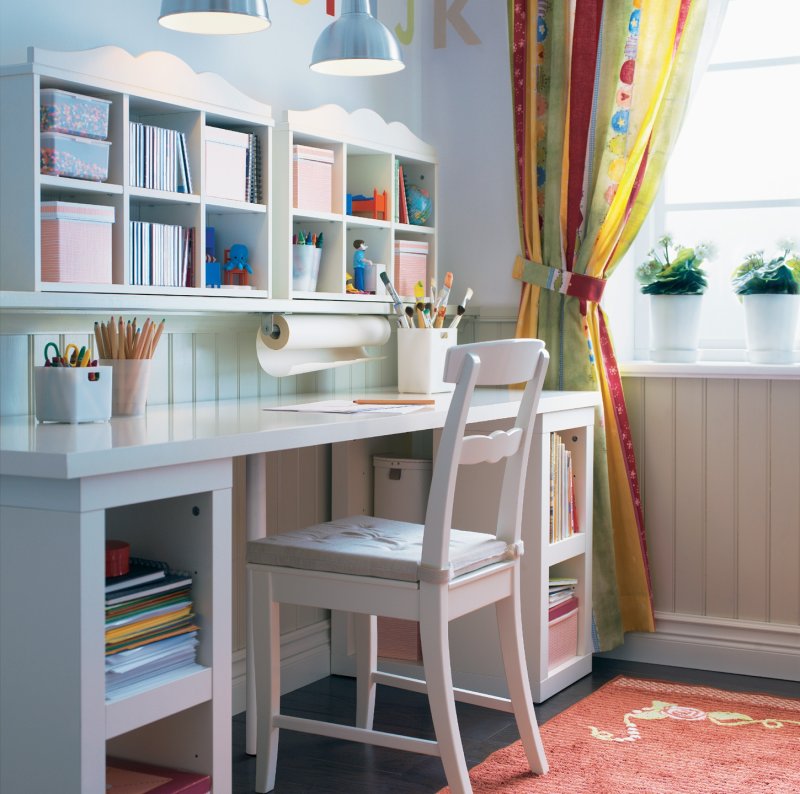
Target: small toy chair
[(430, 573), (236, 270)]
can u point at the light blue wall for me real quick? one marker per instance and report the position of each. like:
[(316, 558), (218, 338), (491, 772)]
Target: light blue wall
[(271, 66)]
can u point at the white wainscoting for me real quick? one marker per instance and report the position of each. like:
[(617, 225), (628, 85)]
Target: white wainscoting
[(719, 465)]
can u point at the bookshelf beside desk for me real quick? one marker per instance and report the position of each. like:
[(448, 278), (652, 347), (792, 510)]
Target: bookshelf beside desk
[(163, 481)]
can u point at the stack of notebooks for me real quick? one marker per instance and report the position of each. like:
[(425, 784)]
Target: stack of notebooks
[(561, 597), (253, 176), (150, 628)]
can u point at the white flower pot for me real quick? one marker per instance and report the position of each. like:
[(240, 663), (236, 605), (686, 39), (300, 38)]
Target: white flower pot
[(674, 327), (771, 327)]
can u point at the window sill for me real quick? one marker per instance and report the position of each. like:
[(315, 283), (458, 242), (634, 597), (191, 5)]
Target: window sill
[(710, 369)]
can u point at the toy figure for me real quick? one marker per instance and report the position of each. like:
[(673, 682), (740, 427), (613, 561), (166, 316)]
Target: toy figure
[(359, 261), (236, 267)]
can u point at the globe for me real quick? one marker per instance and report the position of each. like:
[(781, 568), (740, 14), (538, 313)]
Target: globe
[(419, 205)]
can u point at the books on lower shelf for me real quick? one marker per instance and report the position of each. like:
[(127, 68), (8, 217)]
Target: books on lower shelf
[(161, 255), (150, 626), (134, 777)]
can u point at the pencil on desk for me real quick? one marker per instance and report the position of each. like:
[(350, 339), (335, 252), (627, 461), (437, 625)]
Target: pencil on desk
[(395, 402)]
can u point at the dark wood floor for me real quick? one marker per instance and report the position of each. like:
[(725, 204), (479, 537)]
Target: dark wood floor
[(316, 765)]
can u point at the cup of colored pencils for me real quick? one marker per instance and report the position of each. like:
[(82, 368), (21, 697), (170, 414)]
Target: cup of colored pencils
[(128, 349)]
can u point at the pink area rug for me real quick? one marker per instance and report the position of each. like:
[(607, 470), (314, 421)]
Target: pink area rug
[(655, 737)]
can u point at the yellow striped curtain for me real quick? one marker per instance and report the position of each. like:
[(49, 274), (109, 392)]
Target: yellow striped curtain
[(599, 92)]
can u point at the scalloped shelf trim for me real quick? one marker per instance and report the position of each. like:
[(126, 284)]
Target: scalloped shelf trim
[(363, 126), (112, 66)]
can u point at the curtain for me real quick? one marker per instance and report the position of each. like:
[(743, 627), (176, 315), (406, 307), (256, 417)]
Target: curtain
[(599, 89)]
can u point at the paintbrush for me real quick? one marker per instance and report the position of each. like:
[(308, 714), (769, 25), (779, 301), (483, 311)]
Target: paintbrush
[(462, 307)]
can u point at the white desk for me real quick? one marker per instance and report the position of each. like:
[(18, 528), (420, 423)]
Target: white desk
[(165, 480)]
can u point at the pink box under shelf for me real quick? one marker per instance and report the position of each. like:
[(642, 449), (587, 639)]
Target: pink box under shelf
[(312, 169), (399, 639), (76, 242), (562, 638)]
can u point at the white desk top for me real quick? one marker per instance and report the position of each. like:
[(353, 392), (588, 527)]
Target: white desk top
[(186, 432)]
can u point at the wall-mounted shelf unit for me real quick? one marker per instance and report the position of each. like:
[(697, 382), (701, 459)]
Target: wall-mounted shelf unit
[(154, 89), (365, 152)]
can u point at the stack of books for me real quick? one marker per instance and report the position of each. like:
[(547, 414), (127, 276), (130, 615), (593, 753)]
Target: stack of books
[(150, 628), (563, 510), (159, 159), (161, 255), (561, 597)]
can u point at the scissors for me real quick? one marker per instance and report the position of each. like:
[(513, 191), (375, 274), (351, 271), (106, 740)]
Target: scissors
[(73, 357), (56, 360)]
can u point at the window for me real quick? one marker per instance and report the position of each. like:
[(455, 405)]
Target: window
[(734, 175)]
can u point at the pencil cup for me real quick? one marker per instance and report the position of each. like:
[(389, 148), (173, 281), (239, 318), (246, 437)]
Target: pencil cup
[(72, 394), (129, 385), (420, 359)]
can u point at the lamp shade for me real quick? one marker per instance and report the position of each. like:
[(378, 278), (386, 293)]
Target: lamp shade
[(356, 44), (216, 17)]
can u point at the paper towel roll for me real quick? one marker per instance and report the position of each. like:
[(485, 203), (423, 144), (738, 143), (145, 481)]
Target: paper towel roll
[(300, 343)]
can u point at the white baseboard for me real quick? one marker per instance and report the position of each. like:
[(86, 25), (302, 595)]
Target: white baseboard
[(305, 657), (769, 650)]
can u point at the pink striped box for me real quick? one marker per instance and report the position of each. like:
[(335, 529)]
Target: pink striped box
[(410, 265), (313, 178), (76, 242)]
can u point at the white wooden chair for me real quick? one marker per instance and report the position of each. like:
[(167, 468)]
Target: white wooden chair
[(429, 573)]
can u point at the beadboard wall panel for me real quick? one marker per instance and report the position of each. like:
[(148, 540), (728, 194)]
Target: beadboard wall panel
[(719, 463), (784, 468), (721, 440)]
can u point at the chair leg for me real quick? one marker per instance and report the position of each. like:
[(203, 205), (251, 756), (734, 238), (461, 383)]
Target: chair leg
[(250, 679), (266, 649), (366, 631), (438, 675), (510, 625)]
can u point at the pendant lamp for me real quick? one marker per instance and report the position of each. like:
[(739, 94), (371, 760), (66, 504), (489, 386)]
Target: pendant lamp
[(215, 17), (356, 44)]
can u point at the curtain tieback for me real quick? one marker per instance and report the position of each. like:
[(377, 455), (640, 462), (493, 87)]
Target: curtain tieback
[(576, 285)]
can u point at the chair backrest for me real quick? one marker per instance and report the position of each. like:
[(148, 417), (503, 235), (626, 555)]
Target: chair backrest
[(498, 363)]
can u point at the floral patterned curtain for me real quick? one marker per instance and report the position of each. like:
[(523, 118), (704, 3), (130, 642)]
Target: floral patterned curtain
[(599, 92)]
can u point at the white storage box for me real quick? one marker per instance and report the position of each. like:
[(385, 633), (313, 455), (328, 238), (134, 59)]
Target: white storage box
[(76, 242), (420, 359), (69, 155), (73, 114), (226, 163), (312, 169), (72, 394), (401, 488)]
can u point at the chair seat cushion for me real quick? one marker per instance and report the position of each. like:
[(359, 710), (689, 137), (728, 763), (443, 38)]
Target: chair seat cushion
[(379, 547)]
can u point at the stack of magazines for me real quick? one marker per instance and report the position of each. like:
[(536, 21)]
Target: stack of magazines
[(150, 627)]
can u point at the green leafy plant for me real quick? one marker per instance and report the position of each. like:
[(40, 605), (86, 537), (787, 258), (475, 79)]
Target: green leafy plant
[(673, 269), (777, 276)]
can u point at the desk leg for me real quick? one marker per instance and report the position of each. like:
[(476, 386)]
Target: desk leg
[(52, 648), (256, 519)]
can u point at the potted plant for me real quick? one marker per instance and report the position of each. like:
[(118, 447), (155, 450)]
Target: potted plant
[(770, 293), (675, 281)]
